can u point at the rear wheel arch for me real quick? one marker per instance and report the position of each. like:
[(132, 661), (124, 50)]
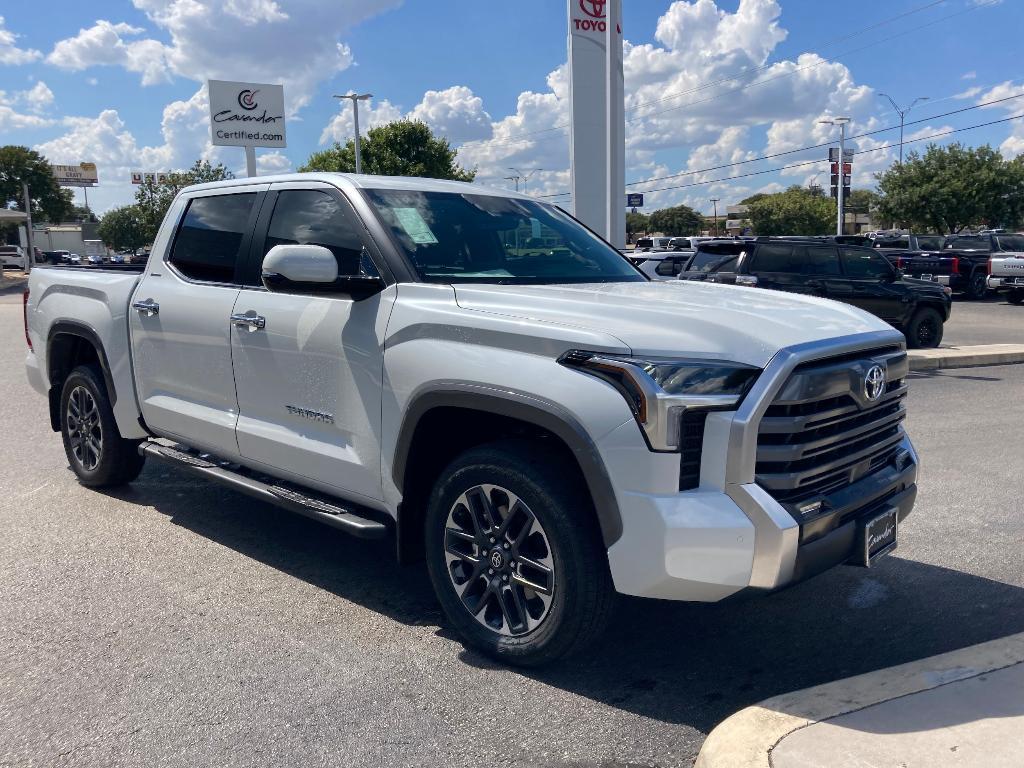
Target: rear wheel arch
[(70, 344), (441, 424)]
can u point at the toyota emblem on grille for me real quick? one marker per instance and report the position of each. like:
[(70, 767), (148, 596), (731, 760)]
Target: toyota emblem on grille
[(874, 382)]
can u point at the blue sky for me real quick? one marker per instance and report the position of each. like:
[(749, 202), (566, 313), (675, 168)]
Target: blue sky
[(121, 83)]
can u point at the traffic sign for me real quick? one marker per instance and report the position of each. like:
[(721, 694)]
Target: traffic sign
[(635, 200)]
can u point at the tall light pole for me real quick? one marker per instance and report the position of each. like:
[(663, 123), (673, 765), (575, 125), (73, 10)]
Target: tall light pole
[(355, 98), (714, 201), (524, 176), (903, 114), (515, 179), (841, 122)]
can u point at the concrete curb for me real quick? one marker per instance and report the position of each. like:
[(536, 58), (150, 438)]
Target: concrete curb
[(965, 357), (746, 739)]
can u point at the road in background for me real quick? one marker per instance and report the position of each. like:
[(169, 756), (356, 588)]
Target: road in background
[(173, 622)]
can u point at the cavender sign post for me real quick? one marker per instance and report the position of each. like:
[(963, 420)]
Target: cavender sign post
[(247, 115)]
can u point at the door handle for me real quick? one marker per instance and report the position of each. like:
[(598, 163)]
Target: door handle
[(147, 307), (249, 320)]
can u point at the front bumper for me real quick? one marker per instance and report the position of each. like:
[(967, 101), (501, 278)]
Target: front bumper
[(731, 534)]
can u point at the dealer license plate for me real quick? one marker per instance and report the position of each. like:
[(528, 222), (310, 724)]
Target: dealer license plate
[(879, 536), (927, 277)]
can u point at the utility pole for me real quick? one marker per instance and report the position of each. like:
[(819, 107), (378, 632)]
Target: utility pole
[(715, 200), (841, 122), (903, 114), (524, 177), (355, 98), (515, 179)]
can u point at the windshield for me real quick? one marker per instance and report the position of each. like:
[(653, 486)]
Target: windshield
[(464, 238), (1010, 242)]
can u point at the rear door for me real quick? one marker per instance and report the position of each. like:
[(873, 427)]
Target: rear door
[(779, 266), (179, 321), (309, 381)]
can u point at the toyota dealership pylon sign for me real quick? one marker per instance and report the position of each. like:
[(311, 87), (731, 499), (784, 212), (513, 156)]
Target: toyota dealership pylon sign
[(246, 115), (597, 145)]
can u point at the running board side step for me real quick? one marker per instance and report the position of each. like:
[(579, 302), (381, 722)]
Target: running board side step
[(333, 513)]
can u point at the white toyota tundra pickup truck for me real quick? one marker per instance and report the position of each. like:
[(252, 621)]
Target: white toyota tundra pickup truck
[(477, 375)]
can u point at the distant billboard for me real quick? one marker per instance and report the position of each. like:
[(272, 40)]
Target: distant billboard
[(140, 177), (81, 175)]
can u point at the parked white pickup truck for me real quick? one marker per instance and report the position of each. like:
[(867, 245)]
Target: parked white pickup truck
[(1006, 268), (479, 376)]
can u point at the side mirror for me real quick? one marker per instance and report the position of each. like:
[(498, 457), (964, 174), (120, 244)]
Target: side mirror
[(313, 269)]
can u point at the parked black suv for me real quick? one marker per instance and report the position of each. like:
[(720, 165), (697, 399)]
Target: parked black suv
[(856, 275)]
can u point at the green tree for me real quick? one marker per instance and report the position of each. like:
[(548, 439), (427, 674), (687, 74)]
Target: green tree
[(952, 187), (124, 228), (636, 222), (797, 211), (862, 201), (21, 164), (678, 220), (400, 148), (153, 198)]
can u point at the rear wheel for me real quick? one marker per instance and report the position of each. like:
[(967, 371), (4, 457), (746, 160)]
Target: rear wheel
[(1016, 296), (977, 288), (515, 556), (97, 453), (925, 329)]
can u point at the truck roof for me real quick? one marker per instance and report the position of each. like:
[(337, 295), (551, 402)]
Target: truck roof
[(366, 181)]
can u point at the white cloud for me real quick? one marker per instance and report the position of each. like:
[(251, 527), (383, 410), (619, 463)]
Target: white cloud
[(13, 120), (372, 113), (972, 75), (10, 53), (105, 44), (37, 99), (272, 162), (1013, 145)]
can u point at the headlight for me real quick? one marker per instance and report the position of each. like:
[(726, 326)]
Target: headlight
[(659, 391)]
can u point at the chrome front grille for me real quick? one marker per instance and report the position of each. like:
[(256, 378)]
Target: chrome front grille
[(822, 432)]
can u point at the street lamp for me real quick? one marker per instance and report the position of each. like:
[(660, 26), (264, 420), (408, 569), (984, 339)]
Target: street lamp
[(355, 99), (902, 113), (841, 122), (714, 201), (515, 179), (525, 177)]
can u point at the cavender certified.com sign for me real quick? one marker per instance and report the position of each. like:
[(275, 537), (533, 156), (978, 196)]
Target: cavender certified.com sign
[(246, 114)]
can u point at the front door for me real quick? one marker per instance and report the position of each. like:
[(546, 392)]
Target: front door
[(179, 323), (873, 285), (309, 379)]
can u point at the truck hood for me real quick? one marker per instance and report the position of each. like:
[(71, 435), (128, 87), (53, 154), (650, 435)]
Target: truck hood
[(674, 318)]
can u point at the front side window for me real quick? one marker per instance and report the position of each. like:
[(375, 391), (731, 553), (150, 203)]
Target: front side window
[(312, 217), (820, 260), (454, 237), (862, 264), (210, 237)]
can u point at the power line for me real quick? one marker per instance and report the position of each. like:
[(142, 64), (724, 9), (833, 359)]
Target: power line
[(813, 162), (824, 144)]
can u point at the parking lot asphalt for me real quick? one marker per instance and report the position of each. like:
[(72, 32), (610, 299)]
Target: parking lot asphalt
[(993, 321), (174, 623)]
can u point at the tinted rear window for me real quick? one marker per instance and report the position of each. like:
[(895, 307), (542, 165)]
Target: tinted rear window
[(208, 242), (969, 243), (1010, 242), (774, 258), (931, 242)]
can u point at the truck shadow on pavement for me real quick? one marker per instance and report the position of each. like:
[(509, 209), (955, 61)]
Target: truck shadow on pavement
[(675, 662)]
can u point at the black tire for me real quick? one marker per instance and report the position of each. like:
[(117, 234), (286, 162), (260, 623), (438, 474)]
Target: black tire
[(925, 329), (977, 288), (97, 453), (1016, 297), (581, 591)]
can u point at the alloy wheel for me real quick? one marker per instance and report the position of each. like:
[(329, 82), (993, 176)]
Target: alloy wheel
[(926, 333), (499, 560), (84, 430)]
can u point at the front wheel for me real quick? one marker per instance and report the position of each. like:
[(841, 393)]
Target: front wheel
[(925, 329), (96, 452), (515, 555)]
